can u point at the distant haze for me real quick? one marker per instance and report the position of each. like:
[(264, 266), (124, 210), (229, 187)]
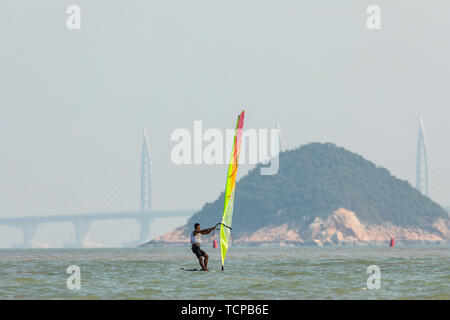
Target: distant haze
[(73, 103)]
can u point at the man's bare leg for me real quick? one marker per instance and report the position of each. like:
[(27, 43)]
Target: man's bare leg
[(206, 262), (201, 263)]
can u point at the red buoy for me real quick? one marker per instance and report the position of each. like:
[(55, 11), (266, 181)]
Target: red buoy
[(215, 244), (392, 243)]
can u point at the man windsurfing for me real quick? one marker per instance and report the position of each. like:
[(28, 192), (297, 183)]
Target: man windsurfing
[(195, 241)]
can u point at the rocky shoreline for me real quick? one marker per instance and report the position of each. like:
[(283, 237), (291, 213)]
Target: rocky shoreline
[(341, 228)]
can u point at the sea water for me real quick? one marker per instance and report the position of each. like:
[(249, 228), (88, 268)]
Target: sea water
[(420, 272)]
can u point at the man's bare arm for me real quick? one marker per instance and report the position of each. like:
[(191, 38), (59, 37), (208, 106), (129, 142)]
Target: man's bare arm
[(207, 231)]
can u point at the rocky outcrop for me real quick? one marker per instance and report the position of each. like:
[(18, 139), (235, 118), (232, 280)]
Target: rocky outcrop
[(341, 228), (175, 237), (344, 227)]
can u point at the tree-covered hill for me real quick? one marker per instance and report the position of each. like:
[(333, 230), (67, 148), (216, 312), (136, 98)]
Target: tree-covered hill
[(314, 181)]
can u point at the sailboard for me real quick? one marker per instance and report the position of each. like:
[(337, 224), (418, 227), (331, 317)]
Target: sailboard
[(225, 227), (183, 269)]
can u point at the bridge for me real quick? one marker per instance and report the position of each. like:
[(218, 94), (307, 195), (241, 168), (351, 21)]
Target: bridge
[(81, 222)]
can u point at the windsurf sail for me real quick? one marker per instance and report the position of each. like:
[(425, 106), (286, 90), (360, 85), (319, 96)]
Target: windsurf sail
[(225, 227)]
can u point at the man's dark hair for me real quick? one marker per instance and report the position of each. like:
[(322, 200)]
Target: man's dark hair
[(195, 225)]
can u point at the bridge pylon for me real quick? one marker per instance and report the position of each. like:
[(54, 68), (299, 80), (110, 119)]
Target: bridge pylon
[(422, 180), (145, 229), (282, 147), (81, 230), (146, 194), (146, 187), (29, 234)]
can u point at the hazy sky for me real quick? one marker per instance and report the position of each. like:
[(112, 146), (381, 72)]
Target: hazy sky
[(73, 103)]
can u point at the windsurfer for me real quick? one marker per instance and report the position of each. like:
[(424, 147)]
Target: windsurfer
[(195, 241)]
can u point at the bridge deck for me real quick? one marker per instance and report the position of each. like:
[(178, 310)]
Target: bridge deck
[(19, 221)]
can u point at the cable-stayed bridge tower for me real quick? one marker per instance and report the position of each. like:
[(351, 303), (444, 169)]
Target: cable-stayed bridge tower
[(422, 180), (146, 187), (282, 148)]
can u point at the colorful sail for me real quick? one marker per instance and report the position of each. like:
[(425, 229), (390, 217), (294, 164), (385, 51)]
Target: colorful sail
[(225, 228)]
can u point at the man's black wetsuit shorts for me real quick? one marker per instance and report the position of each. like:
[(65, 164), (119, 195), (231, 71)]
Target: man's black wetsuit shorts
[(197, 251)]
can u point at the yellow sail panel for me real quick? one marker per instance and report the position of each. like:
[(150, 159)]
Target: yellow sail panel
[(225, 228)]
